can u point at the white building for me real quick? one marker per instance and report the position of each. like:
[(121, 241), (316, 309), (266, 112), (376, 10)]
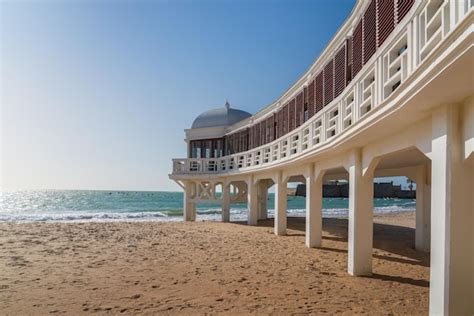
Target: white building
[(391, 95)]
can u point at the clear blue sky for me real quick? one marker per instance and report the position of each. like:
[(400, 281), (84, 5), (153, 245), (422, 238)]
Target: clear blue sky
[(96, 94)]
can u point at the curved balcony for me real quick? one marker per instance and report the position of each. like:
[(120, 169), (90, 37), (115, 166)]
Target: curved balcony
[(409, 47)]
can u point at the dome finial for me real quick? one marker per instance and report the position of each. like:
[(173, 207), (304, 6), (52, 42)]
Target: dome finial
[(227, 104)]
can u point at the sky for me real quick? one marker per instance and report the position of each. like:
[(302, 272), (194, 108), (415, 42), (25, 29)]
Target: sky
[(97, 94)]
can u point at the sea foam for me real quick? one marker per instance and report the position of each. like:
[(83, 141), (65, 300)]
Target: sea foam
[(112, 206)]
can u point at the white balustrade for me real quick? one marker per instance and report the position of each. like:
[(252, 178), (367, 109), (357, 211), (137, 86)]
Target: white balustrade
[(317, 128), (375, 83), (275, 151), (395, 66), (433, 20), (367, 93), (347, 112), (305, 135)]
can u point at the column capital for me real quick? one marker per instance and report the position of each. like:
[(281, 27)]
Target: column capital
[(279, 177), (309, 171), (368, 167), (318, 173), (354, 156)]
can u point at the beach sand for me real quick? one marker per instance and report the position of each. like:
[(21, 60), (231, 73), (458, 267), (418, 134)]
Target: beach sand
[(206, 267)]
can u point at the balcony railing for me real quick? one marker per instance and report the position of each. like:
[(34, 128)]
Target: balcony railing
[(395, 60)]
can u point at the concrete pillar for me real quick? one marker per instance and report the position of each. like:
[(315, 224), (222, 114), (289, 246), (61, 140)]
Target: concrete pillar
[(280, 206), (423, 209), (225, 202), (252, 202), (452, 219), (262, 200), (189, 207), (314, 207), (361, 192)]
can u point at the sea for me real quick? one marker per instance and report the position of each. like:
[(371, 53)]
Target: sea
[(112, 206)]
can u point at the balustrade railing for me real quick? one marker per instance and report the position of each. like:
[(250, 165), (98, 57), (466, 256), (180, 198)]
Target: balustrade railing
[(399, 57)]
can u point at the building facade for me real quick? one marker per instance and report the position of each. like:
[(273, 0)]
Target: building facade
[(391, 95)]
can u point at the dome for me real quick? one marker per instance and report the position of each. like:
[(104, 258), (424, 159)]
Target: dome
[(224, 116)]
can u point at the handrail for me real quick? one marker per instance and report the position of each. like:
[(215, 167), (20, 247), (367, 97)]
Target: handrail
[(406, 48)]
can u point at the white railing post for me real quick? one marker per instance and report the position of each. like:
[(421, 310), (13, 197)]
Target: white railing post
[(377, 97), (453, 13), (280, 149), (341, 113), (415, 44), (299, 147), (357, 101), (409, 48), (322, 131), (288, 146)]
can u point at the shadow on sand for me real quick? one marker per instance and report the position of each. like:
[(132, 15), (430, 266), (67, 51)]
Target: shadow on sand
[(393, 239)]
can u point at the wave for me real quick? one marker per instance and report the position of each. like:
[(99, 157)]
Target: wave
[(207, 214), (84, 217)]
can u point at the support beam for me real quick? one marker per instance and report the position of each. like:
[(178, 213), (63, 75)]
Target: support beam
[(189, 206), (280, 206), (252, 202), (452, 220), (314, 206), (225, 202), (423, 209), (361, 192), (262, 200)]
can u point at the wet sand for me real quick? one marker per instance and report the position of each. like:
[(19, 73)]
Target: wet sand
[(206, 267)]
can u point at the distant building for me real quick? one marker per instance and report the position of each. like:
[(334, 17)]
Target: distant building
[(381, 190)]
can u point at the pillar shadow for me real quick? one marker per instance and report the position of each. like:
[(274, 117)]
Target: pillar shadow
[(398, 240), (399, 279)]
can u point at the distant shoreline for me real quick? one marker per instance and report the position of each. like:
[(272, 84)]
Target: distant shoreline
[(113, 206)]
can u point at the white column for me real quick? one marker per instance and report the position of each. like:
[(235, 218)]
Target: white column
[(262, 200), (225, 202), (314, 205), (280, 207), (361, 192), (189, 207), (252, 202), (452, 220), (423, 210)]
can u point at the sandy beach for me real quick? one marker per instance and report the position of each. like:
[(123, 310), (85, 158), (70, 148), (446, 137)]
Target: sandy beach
[(206, 267)]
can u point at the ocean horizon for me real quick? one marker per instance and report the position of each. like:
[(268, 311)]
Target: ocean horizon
[(24, 206)]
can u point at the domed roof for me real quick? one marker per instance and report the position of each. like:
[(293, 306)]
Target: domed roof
[(224, 116)]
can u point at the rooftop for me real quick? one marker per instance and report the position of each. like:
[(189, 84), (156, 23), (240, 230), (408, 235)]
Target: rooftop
[(223, 116)]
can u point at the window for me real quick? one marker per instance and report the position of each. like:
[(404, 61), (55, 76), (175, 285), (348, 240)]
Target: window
[(207, 148), (218, 148), (196, 149)]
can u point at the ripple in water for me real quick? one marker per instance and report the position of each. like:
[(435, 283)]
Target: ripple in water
[(104, 206)]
